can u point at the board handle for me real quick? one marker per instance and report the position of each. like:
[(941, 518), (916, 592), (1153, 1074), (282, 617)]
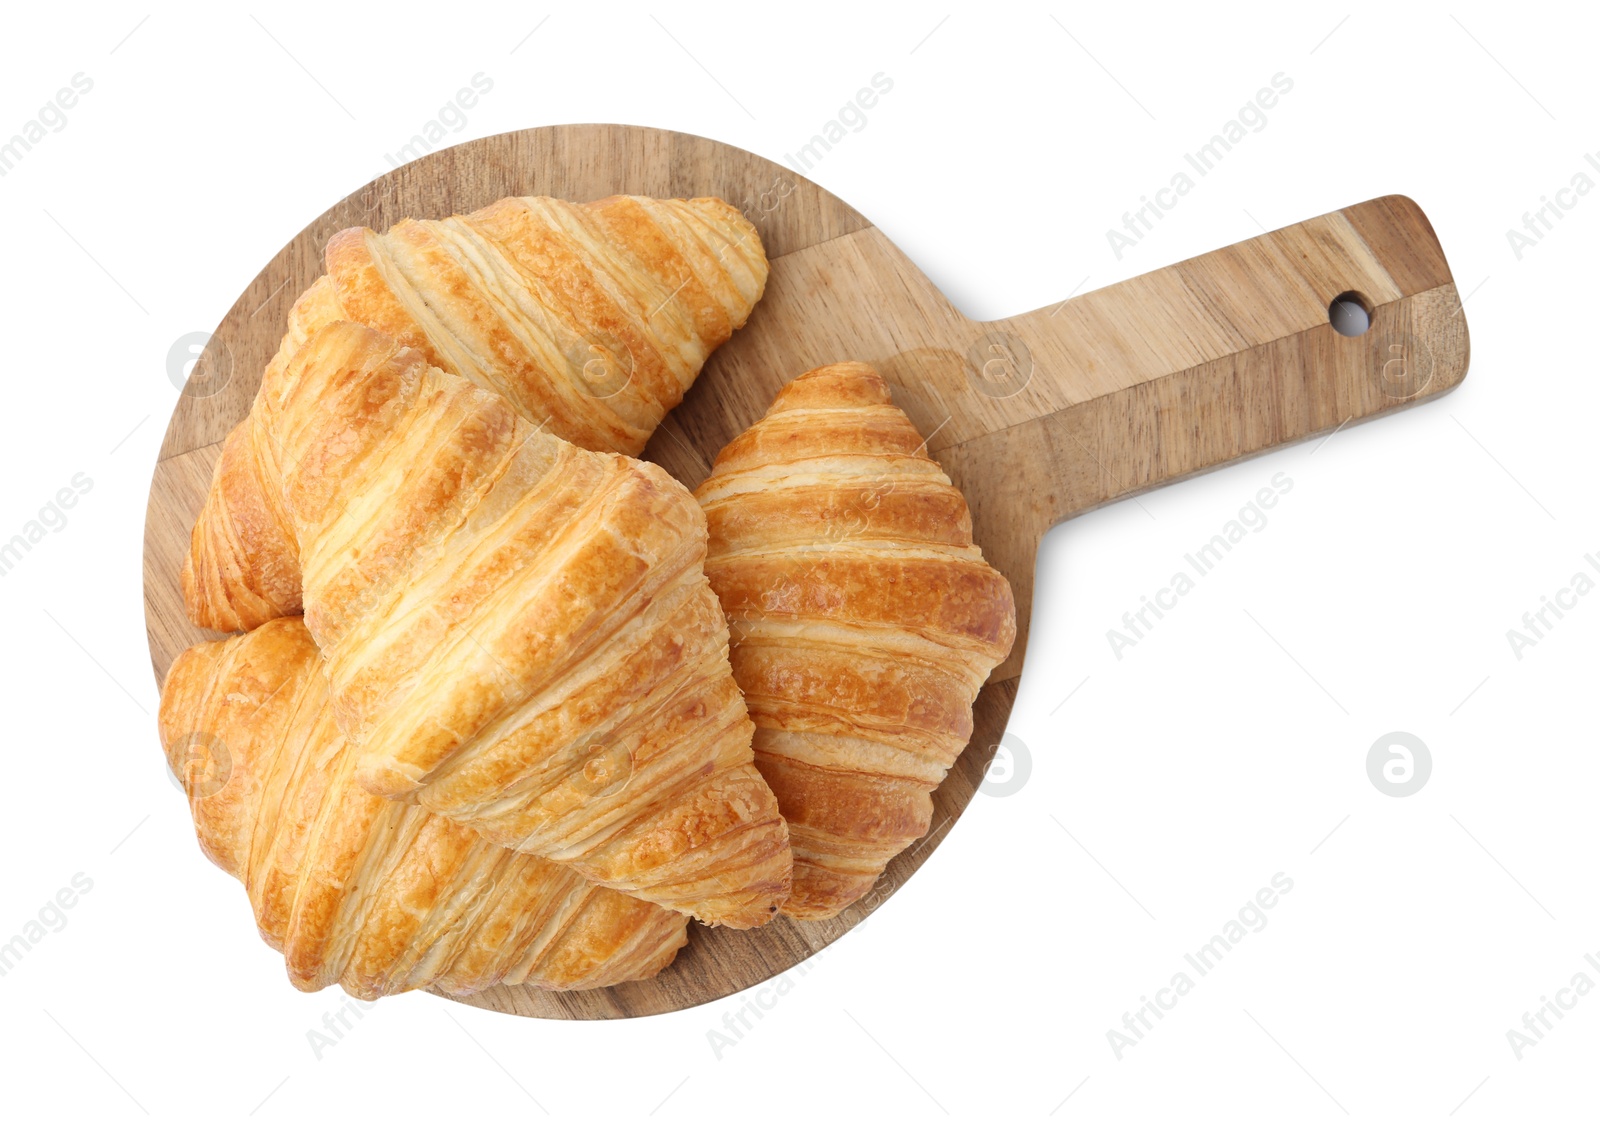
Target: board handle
[(1198, 365)]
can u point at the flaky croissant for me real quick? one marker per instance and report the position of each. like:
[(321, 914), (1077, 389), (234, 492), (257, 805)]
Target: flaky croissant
[(864, 621), (518, 632), (592, 320), (378, 896)]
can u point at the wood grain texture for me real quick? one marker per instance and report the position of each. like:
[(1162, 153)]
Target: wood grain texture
[(1037, 417)]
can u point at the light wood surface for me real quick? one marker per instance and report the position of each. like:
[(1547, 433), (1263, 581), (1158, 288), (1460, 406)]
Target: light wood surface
[(1037, 418)]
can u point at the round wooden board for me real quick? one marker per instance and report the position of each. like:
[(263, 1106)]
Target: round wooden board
[(581, 163)]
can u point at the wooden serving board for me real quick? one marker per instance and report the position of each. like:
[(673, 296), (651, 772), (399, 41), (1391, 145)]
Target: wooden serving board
[(1036, 418)]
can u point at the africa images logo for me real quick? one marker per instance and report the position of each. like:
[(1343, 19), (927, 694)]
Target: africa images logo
[(52, 116)]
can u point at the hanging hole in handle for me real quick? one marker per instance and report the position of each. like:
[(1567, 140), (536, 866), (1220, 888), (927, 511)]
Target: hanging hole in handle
[(1350, 314)]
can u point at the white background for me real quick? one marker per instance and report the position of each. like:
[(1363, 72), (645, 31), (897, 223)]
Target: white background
[(1193, 769)]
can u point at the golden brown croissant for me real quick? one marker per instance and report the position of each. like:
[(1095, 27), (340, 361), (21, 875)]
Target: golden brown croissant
[(592, 320), (518, 632), (864, 621), (376, 895)]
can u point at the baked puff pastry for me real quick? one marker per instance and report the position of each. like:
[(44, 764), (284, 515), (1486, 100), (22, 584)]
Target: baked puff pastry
[(377, 896), (518, 632), (864, 622), (591, 320)]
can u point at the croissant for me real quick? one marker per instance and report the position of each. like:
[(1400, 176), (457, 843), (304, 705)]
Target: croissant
[(518, 632), (592, 320), (864, 622), (378, 896)]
